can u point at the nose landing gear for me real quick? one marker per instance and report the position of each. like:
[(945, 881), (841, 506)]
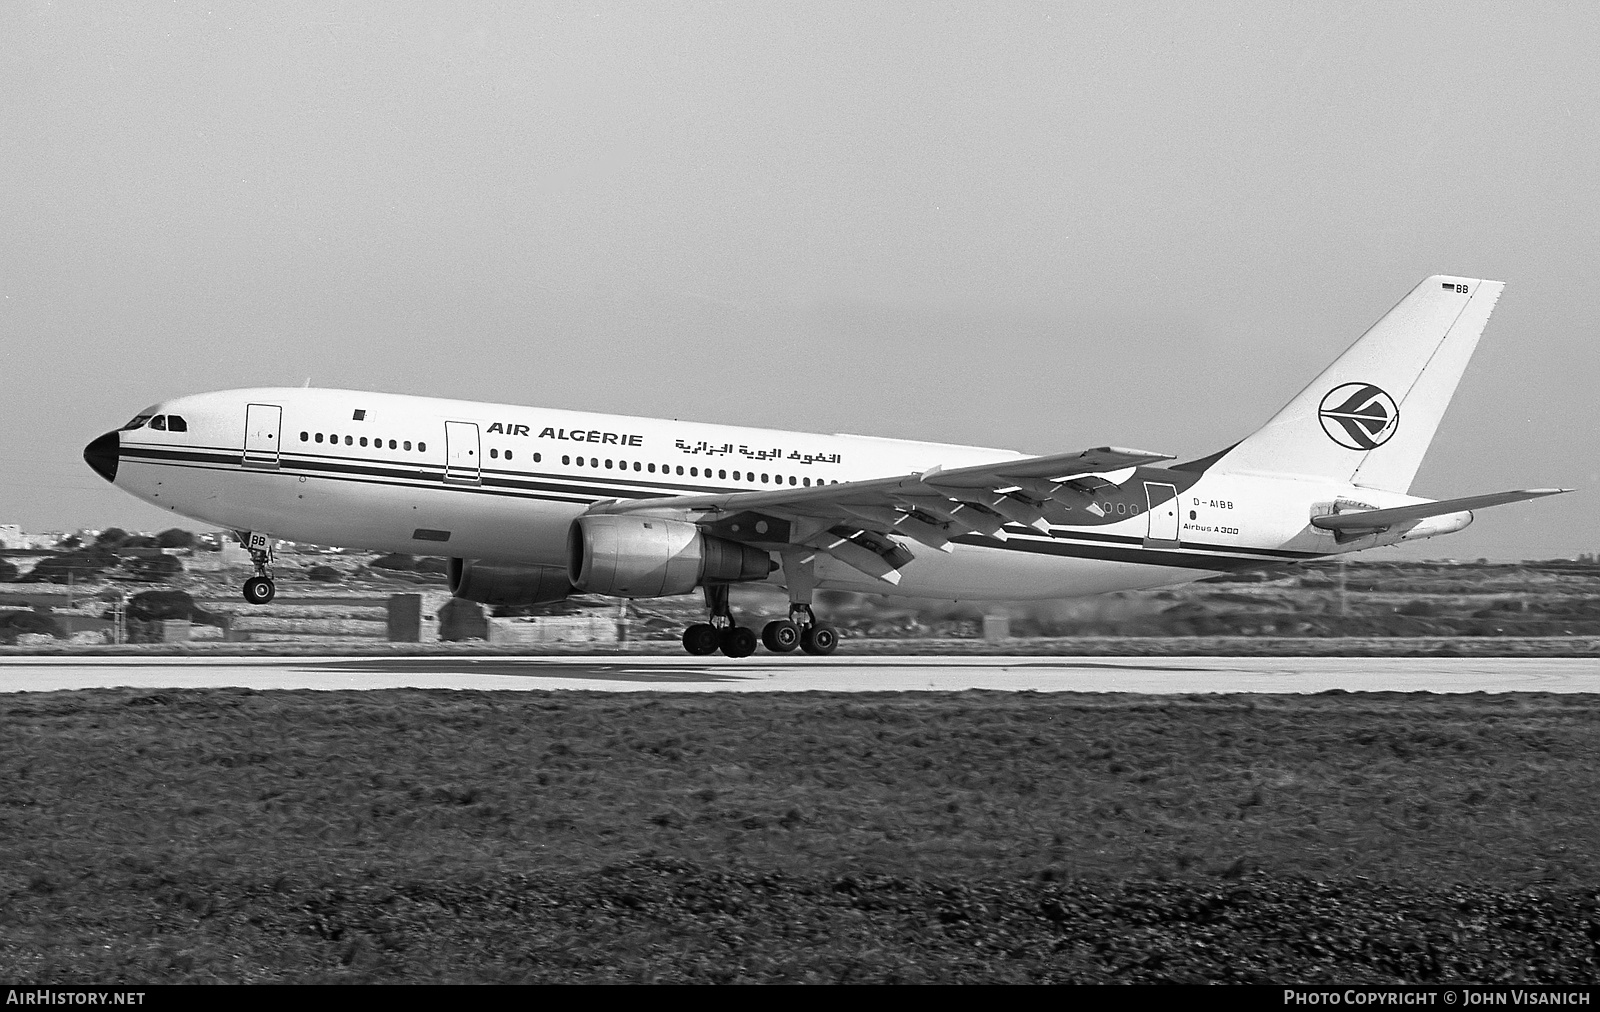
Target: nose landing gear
[(259, 589)]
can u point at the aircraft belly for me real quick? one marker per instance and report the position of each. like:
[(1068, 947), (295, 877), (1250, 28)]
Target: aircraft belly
[(335, 512)]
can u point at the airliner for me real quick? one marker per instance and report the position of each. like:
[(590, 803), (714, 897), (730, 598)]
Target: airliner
[(534, 504)]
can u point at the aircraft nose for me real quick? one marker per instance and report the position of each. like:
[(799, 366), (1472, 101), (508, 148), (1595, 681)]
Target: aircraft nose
[(101, 455)]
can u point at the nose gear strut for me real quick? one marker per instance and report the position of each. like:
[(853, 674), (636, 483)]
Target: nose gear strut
[(259, 589)]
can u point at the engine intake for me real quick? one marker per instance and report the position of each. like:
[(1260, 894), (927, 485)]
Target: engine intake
[(488, 583), (649, 557)]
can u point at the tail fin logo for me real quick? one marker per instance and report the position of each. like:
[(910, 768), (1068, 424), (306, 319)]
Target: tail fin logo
[(1359, 416)]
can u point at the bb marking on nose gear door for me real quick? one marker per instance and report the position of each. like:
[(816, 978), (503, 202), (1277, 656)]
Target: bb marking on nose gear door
[(263, 424), (461, 453), (1162, 503)]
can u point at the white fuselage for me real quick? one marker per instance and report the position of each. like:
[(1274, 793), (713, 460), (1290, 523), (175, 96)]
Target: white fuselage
[(501, 483)]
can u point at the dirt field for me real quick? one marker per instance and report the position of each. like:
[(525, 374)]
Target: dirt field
[(434, 836)]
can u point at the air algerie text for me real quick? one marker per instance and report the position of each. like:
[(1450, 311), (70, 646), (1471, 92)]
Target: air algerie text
[(573, 435)]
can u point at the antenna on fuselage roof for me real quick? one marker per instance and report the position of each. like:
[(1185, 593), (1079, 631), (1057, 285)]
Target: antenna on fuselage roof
[(307, 384)]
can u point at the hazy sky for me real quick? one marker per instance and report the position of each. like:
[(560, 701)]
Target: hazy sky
[(1038, 226)]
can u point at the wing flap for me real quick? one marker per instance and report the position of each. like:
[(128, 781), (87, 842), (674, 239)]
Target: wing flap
[(858, 522)]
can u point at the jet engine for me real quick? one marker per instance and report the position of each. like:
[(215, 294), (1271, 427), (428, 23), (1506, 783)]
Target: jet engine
[(488, 583), (633, 556)]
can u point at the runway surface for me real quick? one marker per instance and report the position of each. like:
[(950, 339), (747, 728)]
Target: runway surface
[(1152, 675)]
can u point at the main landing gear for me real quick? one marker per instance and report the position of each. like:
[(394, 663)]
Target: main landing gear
[(801, 629), (720, 633), (259, 589)]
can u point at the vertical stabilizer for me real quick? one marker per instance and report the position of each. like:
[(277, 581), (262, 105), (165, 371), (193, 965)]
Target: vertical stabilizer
[(1370, 416)]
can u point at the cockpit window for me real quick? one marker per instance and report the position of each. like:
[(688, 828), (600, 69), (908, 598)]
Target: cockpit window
[(176, 423), (136, 422), (159, 423)]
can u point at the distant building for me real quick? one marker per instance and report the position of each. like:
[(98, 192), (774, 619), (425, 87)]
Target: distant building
[(12, 537)]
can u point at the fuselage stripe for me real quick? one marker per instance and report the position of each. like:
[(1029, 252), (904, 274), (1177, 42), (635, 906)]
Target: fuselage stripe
[(565, 489)]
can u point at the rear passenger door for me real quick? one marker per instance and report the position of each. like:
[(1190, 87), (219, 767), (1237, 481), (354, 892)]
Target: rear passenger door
[(1162, 503)]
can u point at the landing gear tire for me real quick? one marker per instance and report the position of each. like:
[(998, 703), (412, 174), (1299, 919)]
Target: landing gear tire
[(259, 590), (738, 641), (781, 636), (702, 639), (819, 639)]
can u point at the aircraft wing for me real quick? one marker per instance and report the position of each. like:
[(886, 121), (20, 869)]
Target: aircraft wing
[(857, 522), (1378, 520)]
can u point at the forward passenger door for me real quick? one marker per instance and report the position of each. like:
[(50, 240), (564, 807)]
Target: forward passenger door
[(263, 426), (462, 457)]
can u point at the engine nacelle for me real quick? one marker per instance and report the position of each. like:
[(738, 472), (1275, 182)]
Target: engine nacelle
[(491, 583), (632, 556)]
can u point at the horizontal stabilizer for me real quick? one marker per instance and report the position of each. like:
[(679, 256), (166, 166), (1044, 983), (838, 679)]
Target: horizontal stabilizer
[(1377, 520)]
